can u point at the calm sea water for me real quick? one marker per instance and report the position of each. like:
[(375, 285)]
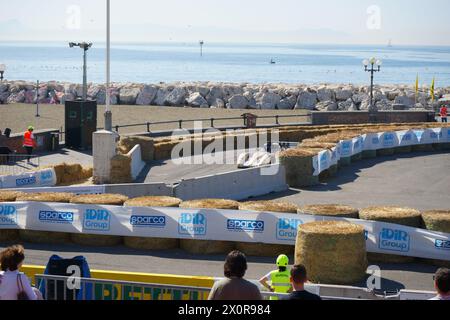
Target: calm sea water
[(153, 63)]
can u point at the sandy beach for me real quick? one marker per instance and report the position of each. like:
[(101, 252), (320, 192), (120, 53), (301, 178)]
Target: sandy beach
[(19, 116)]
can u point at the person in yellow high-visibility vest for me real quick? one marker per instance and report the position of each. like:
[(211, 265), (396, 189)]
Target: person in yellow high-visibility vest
[(278, 281)]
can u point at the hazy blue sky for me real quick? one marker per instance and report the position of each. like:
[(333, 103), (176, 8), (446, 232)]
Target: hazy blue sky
[(304, 21)]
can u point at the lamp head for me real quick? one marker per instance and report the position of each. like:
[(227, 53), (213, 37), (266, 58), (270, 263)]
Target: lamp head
[(72, 44), (373, 60), (365, 62), (2, 68)]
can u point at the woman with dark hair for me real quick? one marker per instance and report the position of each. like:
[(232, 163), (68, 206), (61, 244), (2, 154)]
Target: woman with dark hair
[(12, 282), (235, 287)]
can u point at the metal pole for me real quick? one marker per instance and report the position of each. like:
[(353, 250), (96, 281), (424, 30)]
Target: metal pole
[(371, 87), (37, 99), (108, 113), (84, 75)]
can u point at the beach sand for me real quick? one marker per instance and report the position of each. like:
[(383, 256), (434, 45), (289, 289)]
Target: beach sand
[(18, 117)]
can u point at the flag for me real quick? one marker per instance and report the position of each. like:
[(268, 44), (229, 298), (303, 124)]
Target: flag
[(432, 90), (417, 86)]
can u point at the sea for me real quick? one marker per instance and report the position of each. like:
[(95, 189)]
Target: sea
[(226, 62)]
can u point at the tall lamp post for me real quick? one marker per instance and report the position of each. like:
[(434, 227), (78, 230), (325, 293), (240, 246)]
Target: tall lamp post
[(85, 46), (201, 47), (372, 65), (108, 112), (2, 71)]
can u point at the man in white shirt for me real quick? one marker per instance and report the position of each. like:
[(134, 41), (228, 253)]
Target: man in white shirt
[(442, 284), (12, 282)]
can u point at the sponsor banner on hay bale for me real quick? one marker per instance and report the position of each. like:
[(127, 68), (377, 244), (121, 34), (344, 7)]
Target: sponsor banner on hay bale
[(41, 178), (378, 141), (77, 190), (209, 224)]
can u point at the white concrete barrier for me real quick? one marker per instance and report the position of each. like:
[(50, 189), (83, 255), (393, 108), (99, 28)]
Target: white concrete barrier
[(137, 164), (236, 185)]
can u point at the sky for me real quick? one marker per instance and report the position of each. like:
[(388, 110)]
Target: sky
[(404, 22)]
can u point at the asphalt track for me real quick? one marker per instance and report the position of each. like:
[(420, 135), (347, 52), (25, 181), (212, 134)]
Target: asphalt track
[(415, 180)]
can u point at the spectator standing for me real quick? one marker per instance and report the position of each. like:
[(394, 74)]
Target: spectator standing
[(298, 279), (29, 142), (13, 282), (443, 113), (442, 284), (235, 287)]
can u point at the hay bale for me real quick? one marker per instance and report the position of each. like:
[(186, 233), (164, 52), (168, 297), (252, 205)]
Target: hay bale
[(154, 201), (299, 166), (45, 236), (333, 252), (204, 246), (397, 215), (9, 196), (93, 239), (437, 220), (330, 210), (143, 243), (67, 174), (260, 249), (369, 154), (100, 199), (210, 204), (9, 235), (126, 144), (121, 169), (61, 197), (422, 148)]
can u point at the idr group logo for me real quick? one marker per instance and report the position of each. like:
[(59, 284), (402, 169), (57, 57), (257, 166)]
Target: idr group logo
[(97, 220), (8, 215), (287, 229), (192, 224), (25, 181), (56, 217), (148, 221), (346, 148), (394, 240), (388, 139), (442, 244), (46, 177), (245, 225)]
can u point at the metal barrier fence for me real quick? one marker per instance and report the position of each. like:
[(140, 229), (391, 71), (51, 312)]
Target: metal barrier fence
[(67, 288), (11, 164)]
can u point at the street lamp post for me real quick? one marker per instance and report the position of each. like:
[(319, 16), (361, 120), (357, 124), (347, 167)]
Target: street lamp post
[(2, 71), (201, 47), (108, 113), (85, 46), (373, 65)]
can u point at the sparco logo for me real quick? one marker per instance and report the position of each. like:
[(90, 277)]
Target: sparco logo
[(394, 240), (192, 224), (8, 215), (245, 225), (97, 220), (56, 217), (25, 181), (148, 221), (442, 244), (287, 229)]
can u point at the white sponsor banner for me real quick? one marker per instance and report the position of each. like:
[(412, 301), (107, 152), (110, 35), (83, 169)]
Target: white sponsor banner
[(97, 189), (406, 138), (388, 140), (219, 225), (41, 178), (357, 145), (371, 141), (346, 148)]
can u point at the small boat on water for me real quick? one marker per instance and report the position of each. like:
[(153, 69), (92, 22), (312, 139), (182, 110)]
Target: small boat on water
[(272, 61)]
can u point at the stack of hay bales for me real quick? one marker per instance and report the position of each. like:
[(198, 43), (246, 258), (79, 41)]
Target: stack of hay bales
[(312, 144), (98, 199), (333, 252), (121, 169), (396, 215), (298, 163), (45, 236), (126, 144), (330, 210), (163, 148), (261, 249), (438, 220), (7, 235), (152, 243), (67, 174), (206, 246)]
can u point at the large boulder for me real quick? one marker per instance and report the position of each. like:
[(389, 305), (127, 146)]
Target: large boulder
[(146, 96), (306, 100), (324, 94), (270, 100), (218, 104), (384, 105), (196, 100), (128, 96), (405, 100), (4, 97), (327, 106), (30, 96), (358, 98), (177, 97), (287, 103), (18, 97), (215, 93), (345, 106), (4, 87), (237, 102), (161, 96), (343, 94)]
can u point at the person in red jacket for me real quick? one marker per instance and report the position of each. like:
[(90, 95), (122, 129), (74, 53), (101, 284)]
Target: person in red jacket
[(29, 143), (443, 113)]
